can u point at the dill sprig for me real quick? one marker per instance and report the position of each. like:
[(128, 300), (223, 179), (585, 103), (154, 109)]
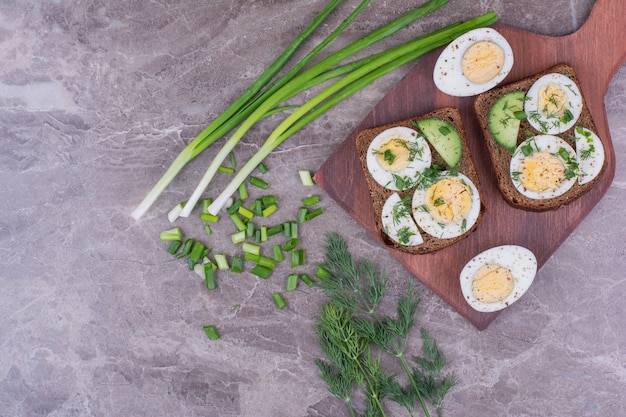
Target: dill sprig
[(349, 326)]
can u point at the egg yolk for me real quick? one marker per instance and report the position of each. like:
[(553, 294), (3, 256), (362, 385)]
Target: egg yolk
[(482, 61), (393, 155), (542, 171), (492, 283), (448, 200), (552, 100)]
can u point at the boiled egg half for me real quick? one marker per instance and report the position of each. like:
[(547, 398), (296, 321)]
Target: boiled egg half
[(590, 154), (448, 207), (397, 154), (473, 63), (398, 223), (496, 278), (543, 166), (553, 104)]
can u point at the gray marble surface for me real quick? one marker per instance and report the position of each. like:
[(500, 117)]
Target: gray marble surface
[(96, 319)]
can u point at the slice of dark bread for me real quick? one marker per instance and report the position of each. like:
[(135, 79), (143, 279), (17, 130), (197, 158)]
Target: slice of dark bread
[(501, 157), (379, 194)]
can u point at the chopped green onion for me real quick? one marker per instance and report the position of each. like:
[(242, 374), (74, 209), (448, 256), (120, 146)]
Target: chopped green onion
[(243, 191), (207, 229), (209, 218), (261, 271), (239, 224), (206, 202), (309, 201), (269, 210), (211, 332), (221, 261), (236, 264), (174, 246), (257, 236), (209, 275), (235, 206), (306, 279), (267, 262), (290, 244), (233, 163), (292, 282), (271, 231), (298, 258), (268, 200), (174, 233), (250, 229), (322, 273), (197, 251), (227, 170), (279, 300), (186, 248), (238, 237), (261, 166), (258, 182), (305, 178), (278, 253), (263, 233), (174, 213), (258, 207), (251, 257), (245, 212), (302, 212), (251, 248), (313, 214)]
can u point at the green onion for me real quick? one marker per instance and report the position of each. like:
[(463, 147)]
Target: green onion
[(251, 257), (263, 233), (197, 251), (206, 202), (174, 213), (248, 247), (245, 212), (209, 275), (207, 230), (209, 218), (243, 106), (258, 182), (227, 170), (322, 273), (266, 262), (271, 231), (235, 206), (306, 279), (269, 210), (261, 271), (233, 163), (302, 212), (186, 248), (290, 244), (278, 253), (243, 191), (238, 237), (292, 282), (262, 168), (236, 264), (279, 300), (221, 261), (305, 178), (174, 246), (309, 201), (211, 332), (313, 214), (239, 224), (268, 200), (174, 233), (298, 258), (258, 207), (250, 229)]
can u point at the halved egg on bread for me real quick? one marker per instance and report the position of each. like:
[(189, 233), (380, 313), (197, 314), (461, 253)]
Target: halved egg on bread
[(590, 154), (543, 166), (448, 206), (398, 223), (473, 63), (553, 103), (397, 153), (497, 277)]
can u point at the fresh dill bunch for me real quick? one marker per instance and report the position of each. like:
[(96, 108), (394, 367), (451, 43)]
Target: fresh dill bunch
[(357, 286), (339, 384), (432, 385)]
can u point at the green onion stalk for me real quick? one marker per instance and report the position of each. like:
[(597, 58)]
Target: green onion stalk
[(263, 88), (342, 89)]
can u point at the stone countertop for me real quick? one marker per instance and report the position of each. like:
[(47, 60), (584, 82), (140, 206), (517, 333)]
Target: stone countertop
[(96, 319)]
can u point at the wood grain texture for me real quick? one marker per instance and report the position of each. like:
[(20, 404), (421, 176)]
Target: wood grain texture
[(596, 51)]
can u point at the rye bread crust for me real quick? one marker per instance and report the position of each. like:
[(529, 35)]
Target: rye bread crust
[(501, 158), (379, 194)]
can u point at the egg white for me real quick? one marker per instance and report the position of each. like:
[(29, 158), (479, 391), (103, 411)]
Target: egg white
[(545, 143), (590, 154), (544, 122), (392, 228), (519, 260), (445, 230), (448, 74), (418, 164)]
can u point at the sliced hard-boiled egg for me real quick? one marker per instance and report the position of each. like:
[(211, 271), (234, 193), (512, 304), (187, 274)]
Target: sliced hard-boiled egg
[(398, 222), (553, 103), (397, 154), (590, 154), (543, 167), (473, 63), (448, 207), (497, 277)]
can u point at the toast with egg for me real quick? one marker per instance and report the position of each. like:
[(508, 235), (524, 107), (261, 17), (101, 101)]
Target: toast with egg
[(517, 136), (456, 164)]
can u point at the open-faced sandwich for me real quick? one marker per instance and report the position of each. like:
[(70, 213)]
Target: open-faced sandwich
[(422, 181), (541, 139)]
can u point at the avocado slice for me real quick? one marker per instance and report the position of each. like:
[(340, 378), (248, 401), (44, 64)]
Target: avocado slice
[(504, 119), (444, 138)]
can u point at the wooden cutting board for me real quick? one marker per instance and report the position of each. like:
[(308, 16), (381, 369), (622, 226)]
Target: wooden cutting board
[(596, 51)]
